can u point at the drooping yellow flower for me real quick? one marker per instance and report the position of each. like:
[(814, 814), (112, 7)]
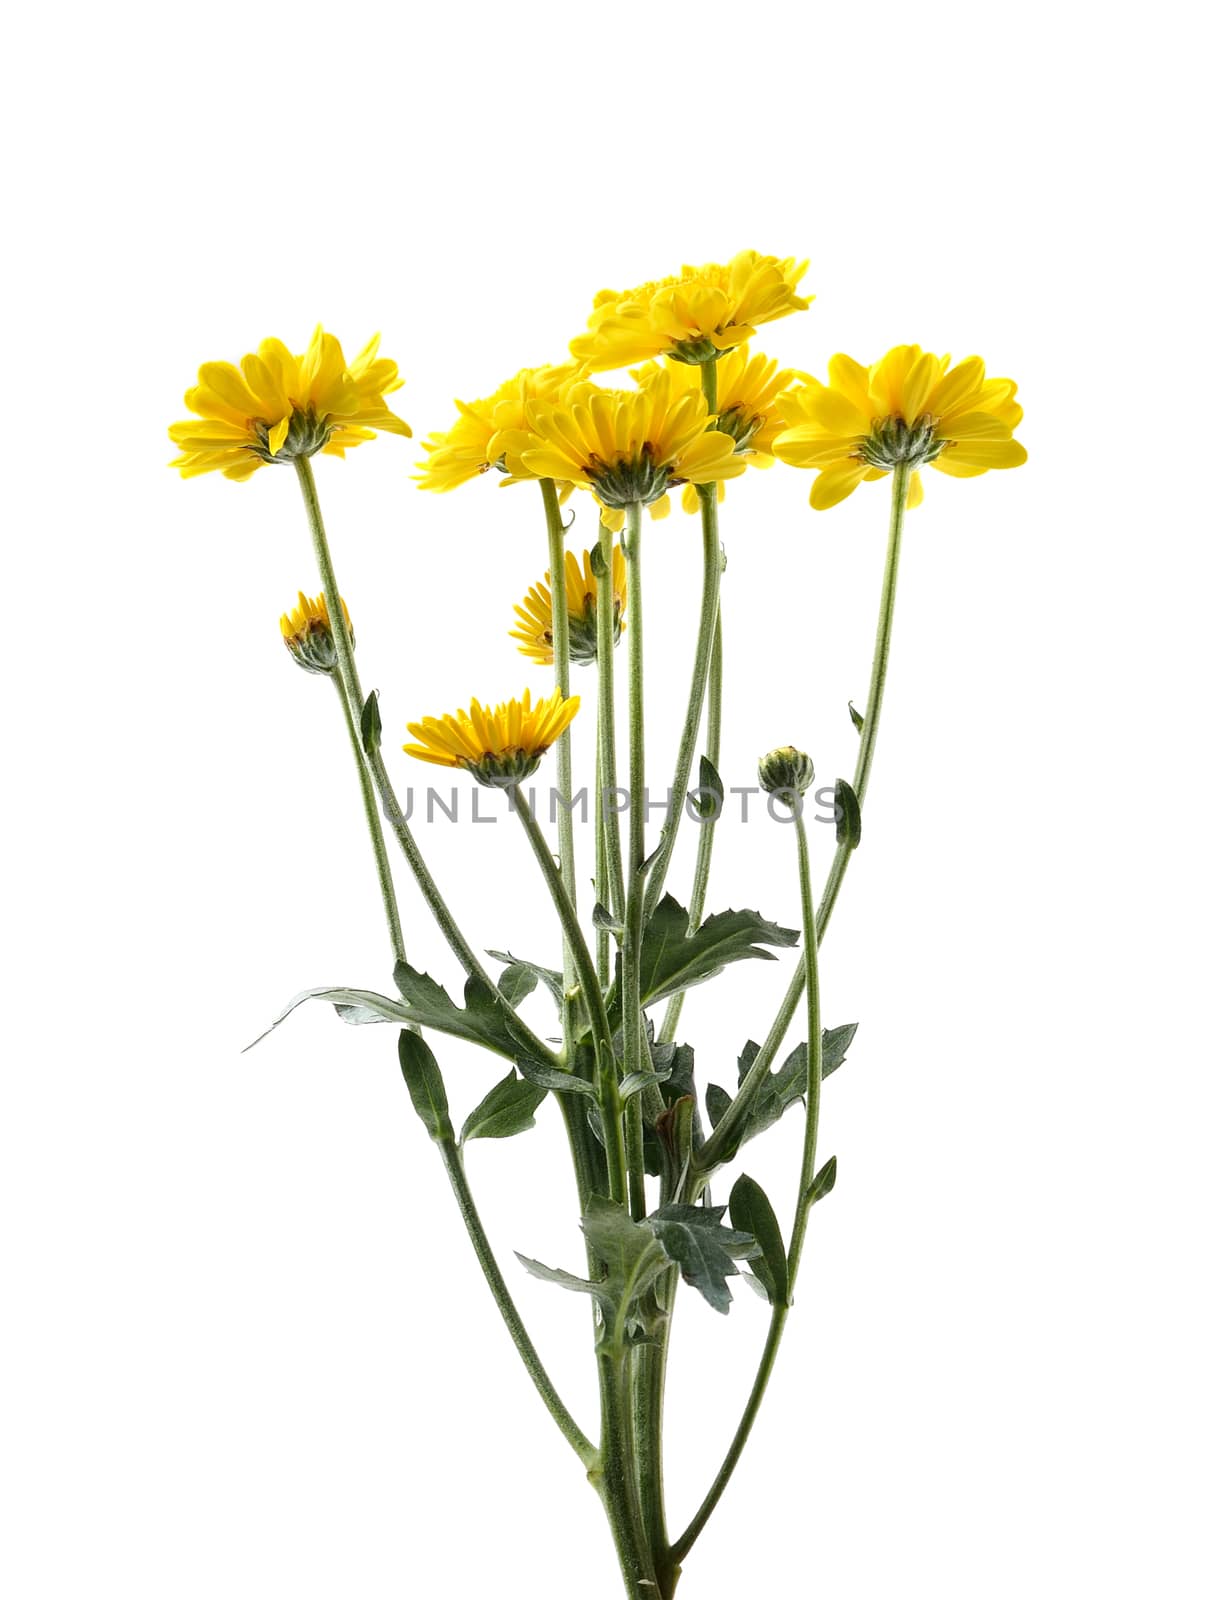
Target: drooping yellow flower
[(492, 432), (912, 407), (749, 387), (629, 446), (500, 747), (536, 612), (692, 317), (309, 637), (277, 406)]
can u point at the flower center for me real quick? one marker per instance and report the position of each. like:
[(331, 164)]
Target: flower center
[(894, 440)]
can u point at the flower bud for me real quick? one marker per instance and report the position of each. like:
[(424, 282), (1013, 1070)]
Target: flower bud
[(309, 637), (787, 773)]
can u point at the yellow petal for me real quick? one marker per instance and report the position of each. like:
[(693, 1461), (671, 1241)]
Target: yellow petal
[(278, 433), (837, 483)]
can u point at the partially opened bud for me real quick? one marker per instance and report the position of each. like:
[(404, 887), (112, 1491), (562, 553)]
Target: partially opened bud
[(309, 637), (787, 773)]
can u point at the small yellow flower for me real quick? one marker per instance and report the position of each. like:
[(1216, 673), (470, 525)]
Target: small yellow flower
[(492, 432), (536, 613), (749, 388), (629, 447), (308, 636), (277, 406), (911, 406), (692, 317), (500, 747)]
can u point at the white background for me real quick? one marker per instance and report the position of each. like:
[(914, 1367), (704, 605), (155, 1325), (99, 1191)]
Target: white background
[(247, 1349)]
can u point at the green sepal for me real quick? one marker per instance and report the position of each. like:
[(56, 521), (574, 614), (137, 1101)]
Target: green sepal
[(752, 1213), (370, 724), (508, 1109), (425, 1082), (848, 814)]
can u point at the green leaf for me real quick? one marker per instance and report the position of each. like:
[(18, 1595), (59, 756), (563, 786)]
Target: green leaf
[(355, 1006), (717, 1102), (632, 1263), (708, 797), (848, 814), (856, 717), (673, 959), (426, 1085), (552, 1078), (484, 1020), (635, 1082), (599, 565), (752, 1213), (694, 1239), (604, 919), (369, 723), (823, 1182), (516, 983), (781, 1089), (508, 1109), (551, 979)]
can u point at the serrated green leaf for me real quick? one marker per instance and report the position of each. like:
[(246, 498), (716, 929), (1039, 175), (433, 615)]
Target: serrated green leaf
[(694, 1239), (632, 1260), (546, 975), (483, 1020), (425, 1082), (508, 1109), (673, 959), (552, 1078), (823, 1182), (564, 1280), (856, 717), (848, 814), (752, 1214), (369, 723)]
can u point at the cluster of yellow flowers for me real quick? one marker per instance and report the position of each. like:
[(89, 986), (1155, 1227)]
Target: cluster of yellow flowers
[(703, 407)]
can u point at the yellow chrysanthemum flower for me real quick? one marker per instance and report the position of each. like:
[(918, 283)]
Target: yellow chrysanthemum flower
[(749, 387), (500, 747), (912, 407), (491, 432), (308, 636), (692, 317), (536, 612), (277, 406), (629, 446)]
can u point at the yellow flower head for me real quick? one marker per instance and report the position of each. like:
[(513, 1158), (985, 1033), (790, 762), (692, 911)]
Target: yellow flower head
[(500, 747), (749, 387), (491, 432), (692, 317), (308, 636), (910, 407), (629, 446), (277, 406), (536, 614)]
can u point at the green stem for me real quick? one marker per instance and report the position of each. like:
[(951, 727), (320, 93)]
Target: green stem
[(712, 563), (348, 676), (602, 1033), (631, 954), (732, 1119), (384, 873), (616, 1481), (455, 1167), (566, 827), (705, 832), (798, 1234), (606, 727)]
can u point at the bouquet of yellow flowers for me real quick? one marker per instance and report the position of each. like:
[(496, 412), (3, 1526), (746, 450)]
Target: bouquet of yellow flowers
[(700, 407)]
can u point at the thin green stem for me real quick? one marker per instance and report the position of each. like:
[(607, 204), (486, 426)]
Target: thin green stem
[(349, 679), (384, 872), (616, 1480), (631, 954), (455, 1167), (798, 1234), (712, 564), (566, 827), (606, 727), (733, 1117), (705, 832), (602, 1033)]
